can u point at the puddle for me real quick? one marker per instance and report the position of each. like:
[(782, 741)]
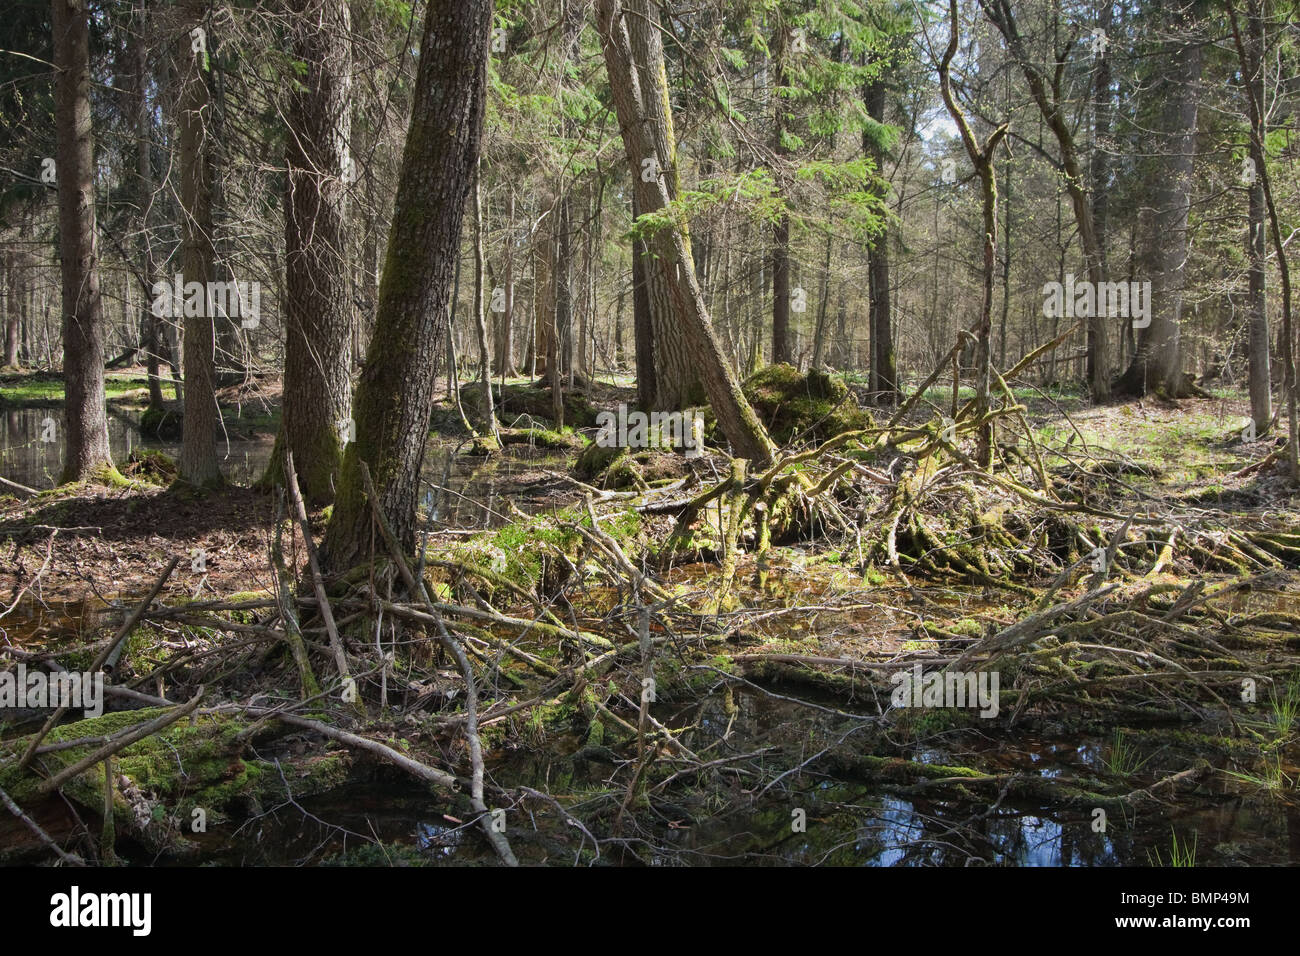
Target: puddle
[(29, 460), (848, 823)]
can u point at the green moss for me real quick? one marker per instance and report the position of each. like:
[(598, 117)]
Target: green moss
[(790, 403), (165, 423)]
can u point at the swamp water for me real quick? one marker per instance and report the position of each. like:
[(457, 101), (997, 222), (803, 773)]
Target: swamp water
[(384, 819)]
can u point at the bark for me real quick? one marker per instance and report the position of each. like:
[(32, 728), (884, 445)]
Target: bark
[(198, 459), (1258, 132), (642, 327), (505, 327), (884, 366), (819, 330), (1157, 362), (13, 309), (150, 324), (781, 291), (480, 310), (644, 135), (677, 380), (85, 423), (396, 394), (1260, 382), (231, 365), (781, 230), (317, 307)]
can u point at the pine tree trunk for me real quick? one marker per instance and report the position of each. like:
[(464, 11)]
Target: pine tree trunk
[(480, 309), (85, 422), (646, 137), (396, 394), (677, 380), (318, 302), (883, 381), (1174, 98), (13, 310), (1260, 382), (642, 326), (198, 459), (781, 230)]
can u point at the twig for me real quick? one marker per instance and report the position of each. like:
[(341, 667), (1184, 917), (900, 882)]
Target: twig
[(416, 587), (318, 583), (103, 657), (70, 858), (118, 743)]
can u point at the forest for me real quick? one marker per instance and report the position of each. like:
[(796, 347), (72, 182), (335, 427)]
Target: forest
[(649, 433)]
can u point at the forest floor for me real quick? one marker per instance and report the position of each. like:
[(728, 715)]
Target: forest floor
[(769, 733)]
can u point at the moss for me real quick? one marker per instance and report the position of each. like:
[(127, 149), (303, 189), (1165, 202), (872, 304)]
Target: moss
[(535, 402), (595, 459), (790, 403), (150, 466), (540, 438), (165, 423)]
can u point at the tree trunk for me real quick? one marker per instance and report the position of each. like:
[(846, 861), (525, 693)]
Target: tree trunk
[(150, 324), (642, 327), (13, 309), (781, 291), (1047, 95), (819, 330), (1157, 364), (646, 137), (395, 397), (1260, 382), (230, 355), (480, 310), (781, 230), (198, 460), (883, 379), (981, 158), (677, 380), (1258, 133), (85, 423), (318, 301), (505, 327)]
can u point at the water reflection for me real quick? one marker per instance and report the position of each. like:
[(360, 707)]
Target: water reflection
[(458, 491), (28, 457)]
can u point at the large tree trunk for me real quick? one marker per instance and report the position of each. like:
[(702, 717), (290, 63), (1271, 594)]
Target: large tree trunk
[(1174, 100), (640, 93), (13, 308), (318, 309), (85, 423), (1260, 383), (198, 460), (150, 324), (781, 230), (395, 397), (884, 366), (480, 310), (505, 327), (643, 332), (677, 379)]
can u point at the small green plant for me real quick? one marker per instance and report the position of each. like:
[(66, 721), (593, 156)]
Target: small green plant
[(1181, 854), (1271, 778), (1123, 759), (1285, 707)]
